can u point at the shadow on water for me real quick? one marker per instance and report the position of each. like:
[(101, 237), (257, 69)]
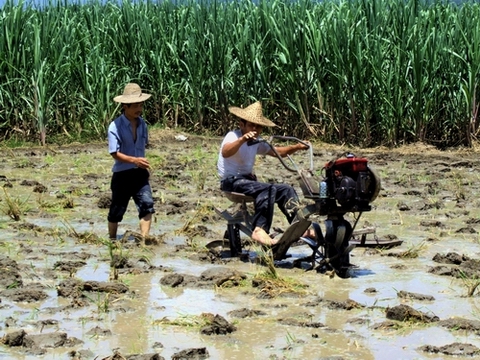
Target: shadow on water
[(357, 272)]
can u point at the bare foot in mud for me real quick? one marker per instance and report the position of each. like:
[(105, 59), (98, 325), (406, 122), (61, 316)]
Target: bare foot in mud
[(261, 236)]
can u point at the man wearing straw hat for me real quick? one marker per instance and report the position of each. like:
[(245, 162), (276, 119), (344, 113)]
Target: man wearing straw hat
[(127, 140), (235, 167)]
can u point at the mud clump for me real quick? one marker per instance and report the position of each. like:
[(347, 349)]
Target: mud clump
[(415, 296), (194, 354), (461, 324), (24, 295), (73, 288), (407, 313), (37, 344), (219, 276), (10, 274), (450, 258), (104, 202), (218, 325), (454, 349)]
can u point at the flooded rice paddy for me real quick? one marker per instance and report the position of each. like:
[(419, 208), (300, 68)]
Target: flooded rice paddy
[(68, 292)]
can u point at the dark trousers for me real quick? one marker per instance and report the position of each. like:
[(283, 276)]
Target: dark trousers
[(266, 196), (130, 184)]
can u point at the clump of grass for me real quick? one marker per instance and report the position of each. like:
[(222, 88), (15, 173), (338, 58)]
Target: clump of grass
[(145, 258), (14, 285), (84, 238), (102, 302), (199, 179), (266, 258), (190, 228), (271, 284), (187, 321), (457, 186), (87, 237), (115, 253), (195, 245), (77, 191), (272, 288), (392, 325), (68, 203), (156, 161), (14, 207), (47, 205), (412, 252), (470, 283)]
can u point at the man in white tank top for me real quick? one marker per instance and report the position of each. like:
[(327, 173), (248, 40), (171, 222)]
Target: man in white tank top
[(235, 164)]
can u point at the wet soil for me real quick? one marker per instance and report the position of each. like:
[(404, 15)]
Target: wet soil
[(66, 291)]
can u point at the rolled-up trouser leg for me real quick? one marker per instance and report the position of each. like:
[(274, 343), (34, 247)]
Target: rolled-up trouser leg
[(264, 195), (264, 208)]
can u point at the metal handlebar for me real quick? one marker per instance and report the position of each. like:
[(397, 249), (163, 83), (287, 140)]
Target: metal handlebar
[(285, 138)]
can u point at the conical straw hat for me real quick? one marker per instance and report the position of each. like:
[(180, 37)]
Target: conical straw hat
[(131, 94), (252, 113)]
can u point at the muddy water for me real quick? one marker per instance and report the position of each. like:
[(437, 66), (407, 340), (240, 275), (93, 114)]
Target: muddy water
[(444, 201)]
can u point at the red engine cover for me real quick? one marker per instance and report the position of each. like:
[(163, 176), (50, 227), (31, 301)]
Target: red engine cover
[(349, 164)]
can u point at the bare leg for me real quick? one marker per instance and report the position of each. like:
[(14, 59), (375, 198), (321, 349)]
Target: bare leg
[(262, 237), (145, 224), (112, 230), (309, 233)]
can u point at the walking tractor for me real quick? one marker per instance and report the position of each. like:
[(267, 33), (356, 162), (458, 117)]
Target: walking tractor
[(347, 185)]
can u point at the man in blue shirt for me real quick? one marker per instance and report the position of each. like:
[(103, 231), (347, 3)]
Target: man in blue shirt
[(127, 140)]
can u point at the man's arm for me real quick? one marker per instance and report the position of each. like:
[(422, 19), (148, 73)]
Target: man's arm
[(138, 161), (231, 148), (283, 151)]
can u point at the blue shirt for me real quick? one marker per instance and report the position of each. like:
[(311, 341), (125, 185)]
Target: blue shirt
[(120, 139)]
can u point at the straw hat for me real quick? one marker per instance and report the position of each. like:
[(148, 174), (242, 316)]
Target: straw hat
[(131, 94), (252, 113)]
